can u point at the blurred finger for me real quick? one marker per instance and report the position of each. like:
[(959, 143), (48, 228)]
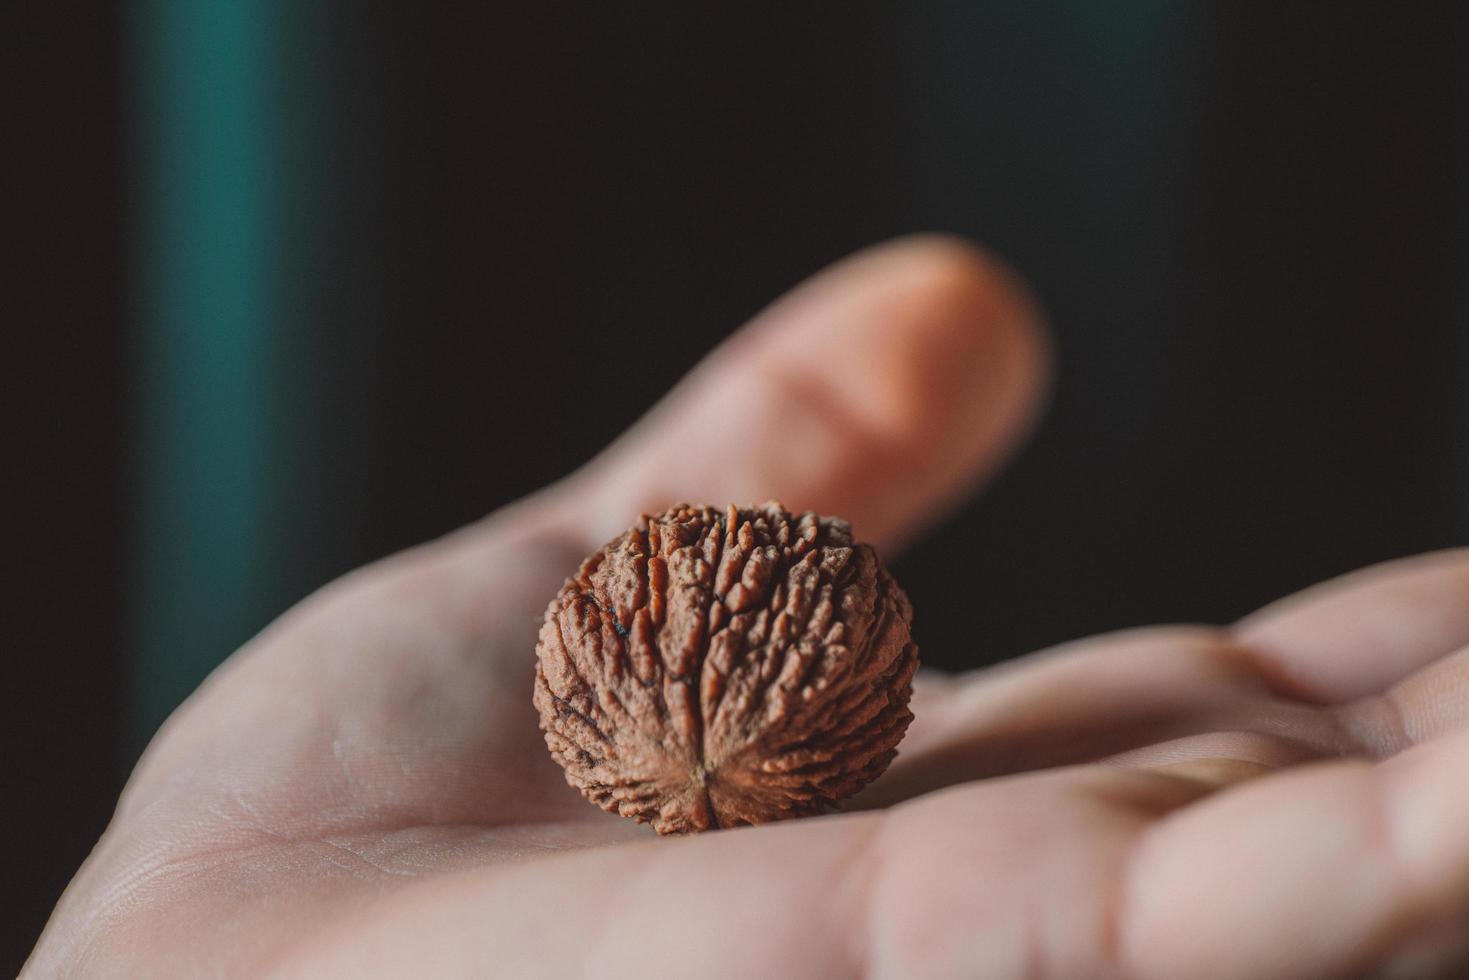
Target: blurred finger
[(1100, 698), (1361, 633), (1427, 704), (881, 391), (1302, 679), (1344, 869)]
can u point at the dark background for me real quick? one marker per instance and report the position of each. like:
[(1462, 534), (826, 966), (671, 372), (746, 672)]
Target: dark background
[(1248, 223)]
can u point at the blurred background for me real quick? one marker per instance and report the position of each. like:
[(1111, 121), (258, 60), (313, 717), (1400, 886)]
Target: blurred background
[(289, 281)]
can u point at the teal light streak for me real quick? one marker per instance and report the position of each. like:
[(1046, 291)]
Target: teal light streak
[(205, 215)]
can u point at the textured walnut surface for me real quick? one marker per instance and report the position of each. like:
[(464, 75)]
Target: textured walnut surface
[(717, 668)]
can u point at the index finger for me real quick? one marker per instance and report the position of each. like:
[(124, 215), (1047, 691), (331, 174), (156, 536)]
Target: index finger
[(1361, 633)]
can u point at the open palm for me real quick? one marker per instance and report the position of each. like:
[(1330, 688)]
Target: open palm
[(363, 791)]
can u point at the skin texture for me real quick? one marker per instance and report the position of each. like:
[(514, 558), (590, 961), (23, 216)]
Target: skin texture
[(363, 791)]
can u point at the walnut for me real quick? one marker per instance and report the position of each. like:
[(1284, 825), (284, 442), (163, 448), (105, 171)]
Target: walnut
[(709, 669)]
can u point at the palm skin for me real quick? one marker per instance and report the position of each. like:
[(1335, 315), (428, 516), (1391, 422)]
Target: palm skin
[(363, 791)]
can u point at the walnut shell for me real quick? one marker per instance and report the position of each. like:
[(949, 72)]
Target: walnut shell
[(713, 669)]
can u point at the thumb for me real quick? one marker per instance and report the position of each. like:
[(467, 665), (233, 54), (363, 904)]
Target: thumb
[(881, 390)]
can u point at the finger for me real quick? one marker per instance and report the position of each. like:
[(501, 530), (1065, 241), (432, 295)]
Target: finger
[(881, 391), (1261, 686), (1344, 869), (1100, 698), (1359, 634), (1429, 703)]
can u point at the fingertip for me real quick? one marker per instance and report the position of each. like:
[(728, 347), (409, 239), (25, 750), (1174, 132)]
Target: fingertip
[(917, 328), (882, 389), (936, 352)]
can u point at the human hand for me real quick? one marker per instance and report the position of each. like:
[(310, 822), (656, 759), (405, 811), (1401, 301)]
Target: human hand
[(363, 791)]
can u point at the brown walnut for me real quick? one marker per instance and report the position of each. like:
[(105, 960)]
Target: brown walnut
[(719, 668)]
